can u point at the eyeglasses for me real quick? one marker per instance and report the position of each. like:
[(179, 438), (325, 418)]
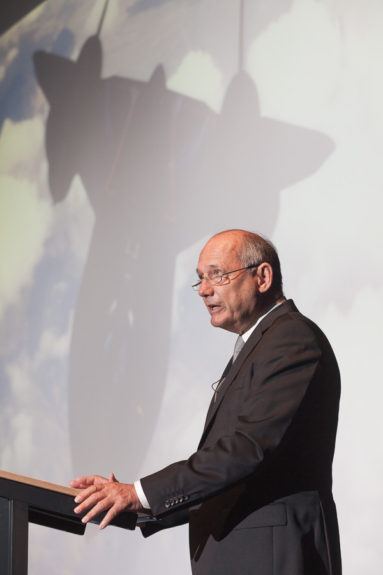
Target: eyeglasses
[(216, 278)]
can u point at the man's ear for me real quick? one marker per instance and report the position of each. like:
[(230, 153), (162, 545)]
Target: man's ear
[(265, 277)]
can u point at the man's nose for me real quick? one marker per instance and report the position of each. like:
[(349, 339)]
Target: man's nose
[(205, 288)]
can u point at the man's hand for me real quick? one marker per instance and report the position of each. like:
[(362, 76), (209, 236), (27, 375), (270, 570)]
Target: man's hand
[(101, 494)]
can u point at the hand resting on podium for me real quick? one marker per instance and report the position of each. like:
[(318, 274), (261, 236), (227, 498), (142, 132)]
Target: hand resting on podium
[(101, 494)]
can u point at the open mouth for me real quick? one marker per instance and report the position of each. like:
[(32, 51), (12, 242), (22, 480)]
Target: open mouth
[(214, 308)]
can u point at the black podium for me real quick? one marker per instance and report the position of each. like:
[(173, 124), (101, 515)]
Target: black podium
[(25, 500)]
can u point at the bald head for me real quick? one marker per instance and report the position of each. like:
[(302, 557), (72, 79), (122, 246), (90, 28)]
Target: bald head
[(250, 249), (234, 295)]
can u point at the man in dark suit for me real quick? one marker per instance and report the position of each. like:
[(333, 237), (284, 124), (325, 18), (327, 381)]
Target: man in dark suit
[(257, 492)]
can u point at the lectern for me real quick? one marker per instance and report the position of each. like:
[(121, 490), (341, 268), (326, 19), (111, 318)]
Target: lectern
[(25, 500)]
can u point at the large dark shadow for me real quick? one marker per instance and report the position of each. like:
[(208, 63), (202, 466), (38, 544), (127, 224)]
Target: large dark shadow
[(161, 171), (18, 81), (12, 12)]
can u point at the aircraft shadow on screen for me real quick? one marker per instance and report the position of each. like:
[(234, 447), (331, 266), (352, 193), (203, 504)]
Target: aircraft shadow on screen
[(161, 171)]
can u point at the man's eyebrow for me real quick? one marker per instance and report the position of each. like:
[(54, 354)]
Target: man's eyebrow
[(211, 267)]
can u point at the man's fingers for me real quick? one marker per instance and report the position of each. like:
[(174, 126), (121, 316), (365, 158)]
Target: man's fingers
[(88, 497), (80, 497), (101, 506), (86, 480), (104, 504), (109, 517), (82, 482)]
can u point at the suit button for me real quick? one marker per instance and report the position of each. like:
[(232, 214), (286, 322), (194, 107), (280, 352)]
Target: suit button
[(167, 505), (186, 497)]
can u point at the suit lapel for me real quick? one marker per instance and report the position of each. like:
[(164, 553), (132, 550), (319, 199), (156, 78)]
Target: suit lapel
[(232, 369)]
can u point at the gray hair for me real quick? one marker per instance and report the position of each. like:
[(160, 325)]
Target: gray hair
[(254, 249)]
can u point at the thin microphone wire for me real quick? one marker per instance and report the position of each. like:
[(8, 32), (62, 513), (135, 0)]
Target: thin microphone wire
[(217, 383)]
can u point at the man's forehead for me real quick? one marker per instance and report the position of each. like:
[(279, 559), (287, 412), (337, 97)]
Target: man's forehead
[(219, 252), (222, 243)]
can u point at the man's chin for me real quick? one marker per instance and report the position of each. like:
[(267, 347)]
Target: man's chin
[(217, 321)]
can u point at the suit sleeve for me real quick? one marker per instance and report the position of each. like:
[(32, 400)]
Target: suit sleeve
[(258, 407)]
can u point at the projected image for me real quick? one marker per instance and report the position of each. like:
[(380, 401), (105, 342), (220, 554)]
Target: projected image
[(161, 170)]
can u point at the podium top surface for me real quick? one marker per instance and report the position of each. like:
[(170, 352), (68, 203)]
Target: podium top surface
[(38, 483)]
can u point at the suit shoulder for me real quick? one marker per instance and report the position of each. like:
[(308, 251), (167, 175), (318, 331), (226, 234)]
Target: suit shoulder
[(294, 320), (293, 325)]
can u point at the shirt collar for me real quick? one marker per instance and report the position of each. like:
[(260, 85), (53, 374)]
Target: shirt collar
[(247, 334)]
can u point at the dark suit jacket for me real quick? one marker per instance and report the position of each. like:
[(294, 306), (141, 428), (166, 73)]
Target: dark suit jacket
[(257, 492)]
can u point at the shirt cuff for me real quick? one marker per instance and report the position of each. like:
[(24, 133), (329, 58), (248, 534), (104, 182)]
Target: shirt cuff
[(141, 495)]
